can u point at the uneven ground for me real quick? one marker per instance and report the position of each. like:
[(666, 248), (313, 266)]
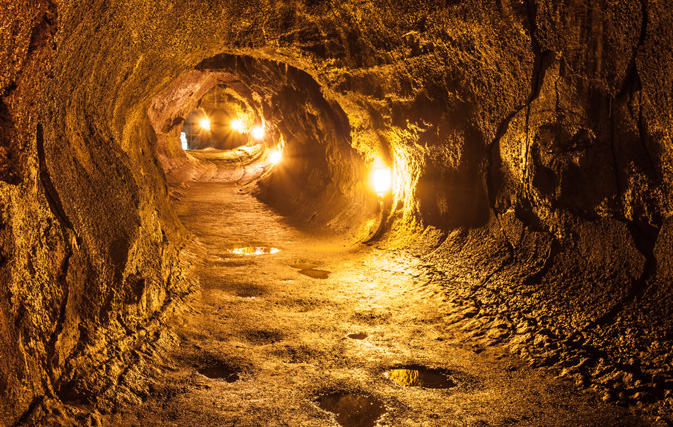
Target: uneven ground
[(283, 335)]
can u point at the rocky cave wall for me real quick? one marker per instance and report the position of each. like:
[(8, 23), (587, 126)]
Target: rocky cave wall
[(530, 142)]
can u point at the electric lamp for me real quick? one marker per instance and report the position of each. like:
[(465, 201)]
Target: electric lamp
[(275, 156), (237, 125), (382, 179), (258, 132), (205, 123)]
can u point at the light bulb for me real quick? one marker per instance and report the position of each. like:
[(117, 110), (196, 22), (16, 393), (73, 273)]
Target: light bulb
[(237, 125), (258, 132), (275, 156), (382, 180)]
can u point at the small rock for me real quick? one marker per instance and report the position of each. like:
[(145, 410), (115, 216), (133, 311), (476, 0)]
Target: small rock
[(628, 379), (608, 396), (567, 372), (642, 397), (94, 420), (541, 340), (501, 323), (515, 348), (522, 338), (471, 325), (453, 318), (580, 380), (496, 335), (470, 311), (610, 378)]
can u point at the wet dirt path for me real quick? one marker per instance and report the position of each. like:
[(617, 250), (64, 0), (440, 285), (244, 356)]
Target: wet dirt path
[(265, 341)]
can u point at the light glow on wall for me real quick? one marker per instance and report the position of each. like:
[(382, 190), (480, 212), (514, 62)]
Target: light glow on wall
[(382, 179), (258, 132), (183, 141), (275, 156), (237, 125)]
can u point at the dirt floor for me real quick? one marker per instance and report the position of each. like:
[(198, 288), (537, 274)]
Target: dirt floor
[(265, 341)]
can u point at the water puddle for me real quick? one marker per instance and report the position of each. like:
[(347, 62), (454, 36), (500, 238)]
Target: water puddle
[(315, 274), (308, 269), (420, 376), (356, 336), (220, 372), (303, 266), (253, 250), (352, 410), (250, 291)]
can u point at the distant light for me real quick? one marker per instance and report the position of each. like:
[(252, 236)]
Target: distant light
[(183, 140), (237, 125), (382, 179), (258, 132), (275, 156), (205, 123)]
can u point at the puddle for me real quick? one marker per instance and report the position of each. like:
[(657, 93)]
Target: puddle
[(308, 269), (419, 376), (352, 410), (253, 250), (220, 372), (357, 336), (303, 266), (316, 274), (250, 291)]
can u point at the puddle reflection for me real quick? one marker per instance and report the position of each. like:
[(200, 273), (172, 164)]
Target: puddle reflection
[(220, 372), (352, 410), (252, 250), (316, 274), (419, 376), (357, 336)]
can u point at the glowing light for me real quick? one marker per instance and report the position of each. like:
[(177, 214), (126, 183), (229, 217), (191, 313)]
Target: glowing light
[(251, 250), (237, 125), (275, 156), (382, 179), (205, 123), (183, 141), (258, 132)]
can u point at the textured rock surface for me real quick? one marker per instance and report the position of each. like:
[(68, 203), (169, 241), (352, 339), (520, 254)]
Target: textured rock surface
[(530, 140)]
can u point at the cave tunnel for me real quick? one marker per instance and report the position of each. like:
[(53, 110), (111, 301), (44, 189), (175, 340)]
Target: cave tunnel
[(341, 213)]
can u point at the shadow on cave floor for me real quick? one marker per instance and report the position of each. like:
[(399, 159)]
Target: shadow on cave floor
[(264, 343)]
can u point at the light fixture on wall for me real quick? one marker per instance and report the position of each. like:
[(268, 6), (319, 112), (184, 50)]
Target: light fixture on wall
[(258, 132), (204, 123), (184, 143), (275, 156), (381, 176), (237, 125)]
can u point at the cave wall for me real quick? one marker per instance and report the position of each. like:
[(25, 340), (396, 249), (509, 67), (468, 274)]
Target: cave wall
[(33, 248), (89, 246), (530, 142)]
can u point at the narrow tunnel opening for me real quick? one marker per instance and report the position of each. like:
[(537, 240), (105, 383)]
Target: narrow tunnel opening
[(267, 127)]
